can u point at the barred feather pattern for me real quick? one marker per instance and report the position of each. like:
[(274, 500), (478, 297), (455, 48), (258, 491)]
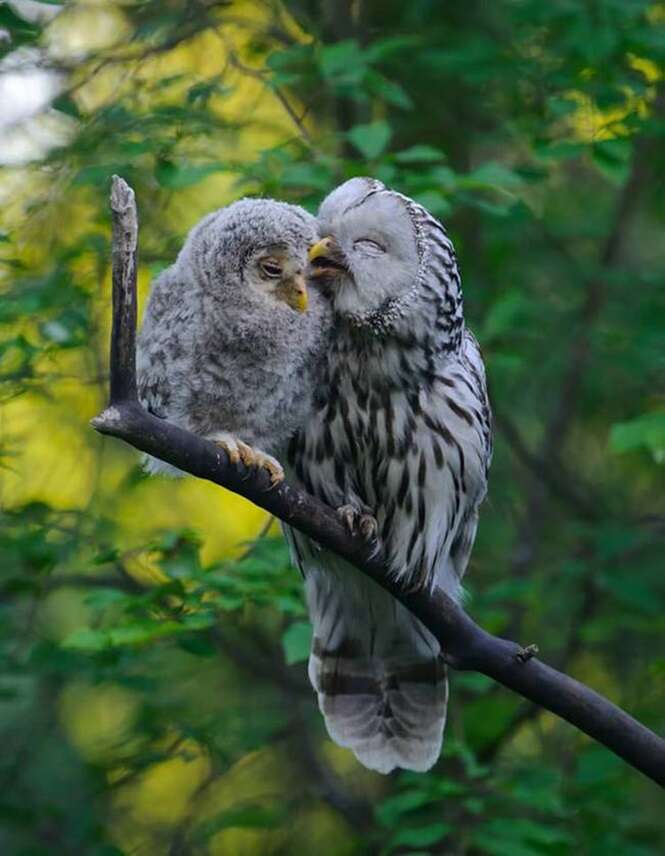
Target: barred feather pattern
[(403, 429)]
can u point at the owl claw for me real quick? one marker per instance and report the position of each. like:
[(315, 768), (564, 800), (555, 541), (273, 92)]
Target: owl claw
[(359, 520), (368, 527), (240, 452), (271, 465), (228, 444)]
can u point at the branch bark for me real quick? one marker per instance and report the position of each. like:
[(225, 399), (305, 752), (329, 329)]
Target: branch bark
[(465, 645)]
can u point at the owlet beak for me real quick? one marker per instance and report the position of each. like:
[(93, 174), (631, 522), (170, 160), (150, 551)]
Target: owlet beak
[(294, 293), (326, 257)]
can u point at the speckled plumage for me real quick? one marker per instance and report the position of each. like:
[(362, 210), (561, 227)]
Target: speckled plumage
[(220, 351), (403, 431)]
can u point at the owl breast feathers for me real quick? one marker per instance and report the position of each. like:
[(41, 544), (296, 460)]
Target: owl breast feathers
[(403, 433), (225, 348)]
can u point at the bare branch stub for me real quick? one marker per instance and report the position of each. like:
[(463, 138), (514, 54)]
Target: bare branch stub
[(124, 251), (465, 645)]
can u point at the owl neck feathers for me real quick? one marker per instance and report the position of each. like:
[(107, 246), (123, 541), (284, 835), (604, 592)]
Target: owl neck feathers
[(408, 356), (385, 320)]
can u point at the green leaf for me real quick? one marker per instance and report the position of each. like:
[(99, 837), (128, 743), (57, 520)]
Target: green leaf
[(391, 811), (67, 105), (643, 432), (382, 49), (474, 682), (559, 106), (343, 62), (388, 90), (420, 154), (19, 31), (613, 158), (557, 150), (246, 817), (106, 597), (198, 645), (86, 639), (100, 174), (296, 642), (435, 202), (371, 140), (176, 176), (105, 555), (421, 836), (201, 93), (492, 175), (307, 175), (505, 314), (505, 836), (489, 844)]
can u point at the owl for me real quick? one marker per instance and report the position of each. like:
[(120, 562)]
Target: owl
[(400, 443), (231, 341)]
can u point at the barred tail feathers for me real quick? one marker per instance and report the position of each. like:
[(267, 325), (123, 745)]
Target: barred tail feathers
[(380, 681)]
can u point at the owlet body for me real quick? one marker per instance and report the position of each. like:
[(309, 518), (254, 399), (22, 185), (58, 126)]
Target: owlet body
[(227, 349), (401, 440)]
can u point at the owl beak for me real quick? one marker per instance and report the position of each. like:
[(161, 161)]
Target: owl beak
[(326, 257), (295, 293)]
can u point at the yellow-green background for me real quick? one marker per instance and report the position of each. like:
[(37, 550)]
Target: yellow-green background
[(153, 697)]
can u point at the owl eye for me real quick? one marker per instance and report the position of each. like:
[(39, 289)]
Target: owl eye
[(271, 268), (368, 247)]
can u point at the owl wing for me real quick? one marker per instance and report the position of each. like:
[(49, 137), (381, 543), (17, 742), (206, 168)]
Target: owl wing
[(153, 360), (162, 364), (472, 362), (429, 475)]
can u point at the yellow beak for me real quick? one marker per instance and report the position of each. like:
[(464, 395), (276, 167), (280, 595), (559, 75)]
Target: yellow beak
[(322, 248), (295, 293)]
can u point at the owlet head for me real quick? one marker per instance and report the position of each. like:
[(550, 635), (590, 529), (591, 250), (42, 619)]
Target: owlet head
[(369, 256), (254, 251)]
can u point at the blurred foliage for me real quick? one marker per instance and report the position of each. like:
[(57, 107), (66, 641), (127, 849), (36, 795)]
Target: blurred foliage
[(153, 697)]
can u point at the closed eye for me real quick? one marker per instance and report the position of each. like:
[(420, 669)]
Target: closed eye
[(368, 247), (271, 268)]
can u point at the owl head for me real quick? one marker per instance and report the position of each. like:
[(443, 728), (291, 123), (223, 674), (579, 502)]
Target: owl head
[(253, 252), (382, 255)]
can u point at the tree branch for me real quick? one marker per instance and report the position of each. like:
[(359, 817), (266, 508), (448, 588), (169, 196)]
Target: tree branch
[(464, 644)]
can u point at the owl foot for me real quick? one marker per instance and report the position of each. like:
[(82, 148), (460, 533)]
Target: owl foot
[(240, 452), (359, 520)]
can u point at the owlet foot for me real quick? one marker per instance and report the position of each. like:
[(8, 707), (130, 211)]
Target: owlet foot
[(240, 452), (359, 520)]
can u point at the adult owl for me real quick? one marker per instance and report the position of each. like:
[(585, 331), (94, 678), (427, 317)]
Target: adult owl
[(400, 443), (227, 349)]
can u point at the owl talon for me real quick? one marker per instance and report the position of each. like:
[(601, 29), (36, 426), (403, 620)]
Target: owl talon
[(272, 466), (347, 516), (368, 527), (256, 458), (358, 520), (241, 452), (247, 454), (228, 444)]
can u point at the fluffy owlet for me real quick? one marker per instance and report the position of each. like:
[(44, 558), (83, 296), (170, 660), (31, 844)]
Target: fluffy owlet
[(401, 443), (227, 349)]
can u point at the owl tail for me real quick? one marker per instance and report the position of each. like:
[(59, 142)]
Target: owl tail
[(380, 681)]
